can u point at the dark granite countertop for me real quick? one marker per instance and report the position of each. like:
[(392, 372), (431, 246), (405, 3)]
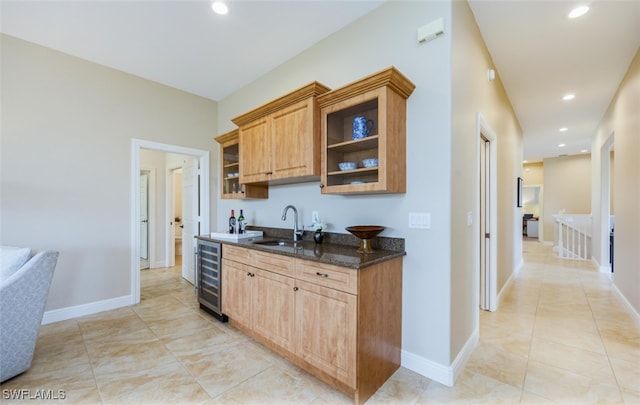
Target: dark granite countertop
[(337, 249)]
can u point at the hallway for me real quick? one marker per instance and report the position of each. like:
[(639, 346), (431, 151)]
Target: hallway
[(560, 336), (561, 333)]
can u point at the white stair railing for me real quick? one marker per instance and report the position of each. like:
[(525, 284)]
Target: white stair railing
[(573, 236)]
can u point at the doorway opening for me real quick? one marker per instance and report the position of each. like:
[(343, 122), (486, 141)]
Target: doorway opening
[(198, 165), (486, 228), (532, 209)]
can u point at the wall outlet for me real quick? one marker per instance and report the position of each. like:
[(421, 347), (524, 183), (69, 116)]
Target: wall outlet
[(420, 220)]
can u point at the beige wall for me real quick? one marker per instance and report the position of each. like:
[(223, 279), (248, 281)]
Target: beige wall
[(473, 93), (65, 164), (533, 174), (567, 187), (622, 121), (380, 39)]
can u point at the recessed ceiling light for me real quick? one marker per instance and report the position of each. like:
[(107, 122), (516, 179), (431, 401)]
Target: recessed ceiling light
[(219, 7), (562, 145), (578, 11), (525, 161), (564, 129), (584, 150), (569, 96)]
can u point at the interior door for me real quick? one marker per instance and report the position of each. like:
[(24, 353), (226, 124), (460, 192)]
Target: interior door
[(485, 235), (190, 216), (144, 219)]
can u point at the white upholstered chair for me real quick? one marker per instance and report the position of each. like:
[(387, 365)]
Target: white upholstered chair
[(24, 288)]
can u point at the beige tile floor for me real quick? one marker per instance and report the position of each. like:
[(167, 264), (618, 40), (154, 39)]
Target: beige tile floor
[(560, 336)]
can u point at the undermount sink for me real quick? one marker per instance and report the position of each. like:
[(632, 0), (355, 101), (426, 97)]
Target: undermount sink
[(274, 242)]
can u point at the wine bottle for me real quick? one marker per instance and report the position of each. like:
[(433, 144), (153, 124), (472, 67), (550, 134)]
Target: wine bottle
[(232, 223), (241, 223)]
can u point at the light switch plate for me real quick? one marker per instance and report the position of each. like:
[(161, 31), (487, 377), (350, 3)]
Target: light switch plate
[(420, 220)]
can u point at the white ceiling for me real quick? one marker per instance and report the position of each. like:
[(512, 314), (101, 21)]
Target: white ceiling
[(182, 43), (539, 54)]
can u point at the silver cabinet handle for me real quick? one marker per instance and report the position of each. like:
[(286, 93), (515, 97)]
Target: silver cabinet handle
[(321, 275)]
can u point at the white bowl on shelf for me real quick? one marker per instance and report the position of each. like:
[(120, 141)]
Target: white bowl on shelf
[(347, 165), (371, 162)]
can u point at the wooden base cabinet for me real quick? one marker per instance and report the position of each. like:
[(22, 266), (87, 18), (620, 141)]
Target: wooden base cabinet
[(236, 292), (326, 331), (260, 301), (273, 308), (341, 325)]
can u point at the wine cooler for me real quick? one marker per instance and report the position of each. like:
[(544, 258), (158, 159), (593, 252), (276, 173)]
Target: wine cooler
[(209, 273)]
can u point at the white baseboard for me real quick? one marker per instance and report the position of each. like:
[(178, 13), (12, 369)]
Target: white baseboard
[(625, 301), (63, 314), (518, 268), (430, 369), (601, 269), (505, 287), (445, 375)]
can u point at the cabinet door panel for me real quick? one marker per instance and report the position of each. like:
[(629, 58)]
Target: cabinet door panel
[(273, 308), (255, 152), (236, 292), (326, 330), (293, 137)]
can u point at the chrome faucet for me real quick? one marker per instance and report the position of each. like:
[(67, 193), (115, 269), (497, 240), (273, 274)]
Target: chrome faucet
[(297, 233)]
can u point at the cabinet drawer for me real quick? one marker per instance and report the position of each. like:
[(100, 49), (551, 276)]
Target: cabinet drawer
[(237, 254), (279, 264), (327, 275)]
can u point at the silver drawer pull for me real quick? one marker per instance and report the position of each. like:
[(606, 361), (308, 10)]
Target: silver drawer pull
[(321, 275)]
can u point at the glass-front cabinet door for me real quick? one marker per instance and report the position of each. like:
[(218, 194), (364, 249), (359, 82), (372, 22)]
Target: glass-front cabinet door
[(230, 186)]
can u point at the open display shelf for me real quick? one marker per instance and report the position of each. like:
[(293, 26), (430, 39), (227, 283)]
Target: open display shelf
[(380, 98)]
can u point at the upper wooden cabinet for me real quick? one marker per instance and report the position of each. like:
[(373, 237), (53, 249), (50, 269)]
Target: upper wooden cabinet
[(379, 100), (279, 142), (230, 185)]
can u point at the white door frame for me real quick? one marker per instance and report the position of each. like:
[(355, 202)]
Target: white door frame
[(151, 200), (136, 146), (605, 203), (170, 245), (483, 129)]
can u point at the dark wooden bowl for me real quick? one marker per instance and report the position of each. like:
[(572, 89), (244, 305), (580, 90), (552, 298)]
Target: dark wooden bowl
[(365, 233)]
